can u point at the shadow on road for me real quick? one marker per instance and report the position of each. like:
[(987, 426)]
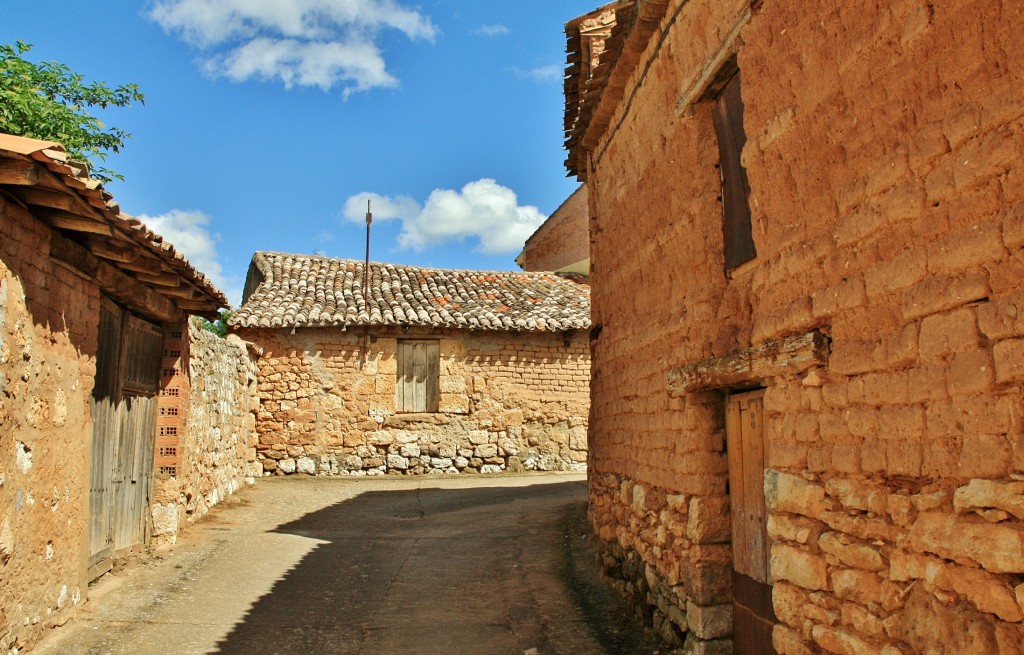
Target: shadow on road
[(433, 571)]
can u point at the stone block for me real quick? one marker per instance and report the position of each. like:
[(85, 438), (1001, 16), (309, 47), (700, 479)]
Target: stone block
[(800, 567), (839, 640), (712, 622), (305, 465), (397, 463), (856, 555), (788, 642), (999, 548), (858, 586), (286, 466), (988, 494), (785, 492), (708, 520)]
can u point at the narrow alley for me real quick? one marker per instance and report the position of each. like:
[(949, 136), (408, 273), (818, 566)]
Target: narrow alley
[(341, 566)]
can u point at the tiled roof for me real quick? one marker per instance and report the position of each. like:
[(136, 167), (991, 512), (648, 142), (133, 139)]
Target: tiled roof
[(307, 291), (59, 191), (616, 34)]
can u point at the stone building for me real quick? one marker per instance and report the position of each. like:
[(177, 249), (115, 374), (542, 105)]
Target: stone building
[(562, 242), (436, 371), (807, 264), (93, 397)]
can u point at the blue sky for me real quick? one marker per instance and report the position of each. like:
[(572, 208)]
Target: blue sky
[(267, 122)]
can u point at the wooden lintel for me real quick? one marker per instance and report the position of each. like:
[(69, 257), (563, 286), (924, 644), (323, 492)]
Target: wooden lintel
[(67, 221), (753, 365), (123, 288), (22, 172)]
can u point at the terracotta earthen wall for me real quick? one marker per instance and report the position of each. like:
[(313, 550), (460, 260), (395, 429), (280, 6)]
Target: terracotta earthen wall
[(48, 326), (218, 449), (884, 142), (507, 402), (563, 239)]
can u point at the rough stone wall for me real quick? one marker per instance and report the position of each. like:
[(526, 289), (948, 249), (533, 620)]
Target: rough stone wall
[(218, 450), (882, 149), (48, 327), (507, 402), (563, 239)]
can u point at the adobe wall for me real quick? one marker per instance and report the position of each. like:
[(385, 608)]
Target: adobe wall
[(882, 150), (507, 403), (218, 449), (48, 327), (563, 239)]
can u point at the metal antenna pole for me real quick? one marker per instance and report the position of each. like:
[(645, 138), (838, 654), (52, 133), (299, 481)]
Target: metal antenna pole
[(366, 286)]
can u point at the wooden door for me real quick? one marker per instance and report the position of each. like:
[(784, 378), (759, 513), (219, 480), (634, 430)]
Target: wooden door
[(124, 410), (753, 615), (104, 405)]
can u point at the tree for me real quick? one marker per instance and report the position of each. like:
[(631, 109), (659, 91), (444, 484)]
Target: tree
[(220, 325), (48, 101)]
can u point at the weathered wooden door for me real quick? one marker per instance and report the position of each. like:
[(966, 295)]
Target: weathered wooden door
[(753, 616), (124, 430), (418, 376)]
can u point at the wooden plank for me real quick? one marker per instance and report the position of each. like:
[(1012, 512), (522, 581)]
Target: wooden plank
[(737, 496), (74, 223), (753, 365), (431, 382), (752, 428), (21, 172), (419, 370), (104, 408)]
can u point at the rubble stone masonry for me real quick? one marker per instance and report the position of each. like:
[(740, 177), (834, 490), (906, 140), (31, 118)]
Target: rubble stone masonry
[(218, 450), (508, 402), (48, 323), (883, 153)]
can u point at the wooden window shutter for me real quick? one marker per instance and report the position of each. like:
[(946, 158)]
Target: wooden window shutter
[(418, 376), (728, 117)]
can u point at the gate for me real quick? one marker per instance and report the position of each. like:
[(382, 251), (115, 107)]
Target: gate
[(124, 429)]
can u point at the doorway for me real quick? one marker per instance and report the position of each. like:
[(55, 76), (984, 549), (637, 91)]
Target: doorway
[(123, 407), (753, 614)]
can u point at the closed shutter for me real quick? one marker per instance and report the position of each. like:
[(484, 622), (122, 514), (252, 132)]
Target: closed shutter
[(728, 116), (418, 376)]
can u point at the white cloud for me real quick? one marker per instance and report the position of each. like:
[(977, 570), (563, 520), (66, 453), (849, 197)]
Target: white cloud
[(541, 73), (484, 210), (299, 42), (188, 232), (492, 30)]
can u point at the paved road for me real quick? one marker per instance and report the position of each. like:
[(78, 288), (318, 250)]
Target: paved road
[(425, 566)]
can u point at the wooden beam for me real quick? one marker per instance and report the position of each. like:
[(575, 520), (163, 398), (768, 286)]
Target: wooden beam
[(753, 365), (74, 222), (126, 290), (21, 172), (160, 280), (113, 250), (143, 264), (184, 292)]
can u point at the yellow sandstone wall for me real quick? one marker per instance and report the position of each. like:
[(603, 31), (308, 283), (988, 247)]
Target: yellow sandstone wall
[(884, 142), (507, 402), (48, 326)]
